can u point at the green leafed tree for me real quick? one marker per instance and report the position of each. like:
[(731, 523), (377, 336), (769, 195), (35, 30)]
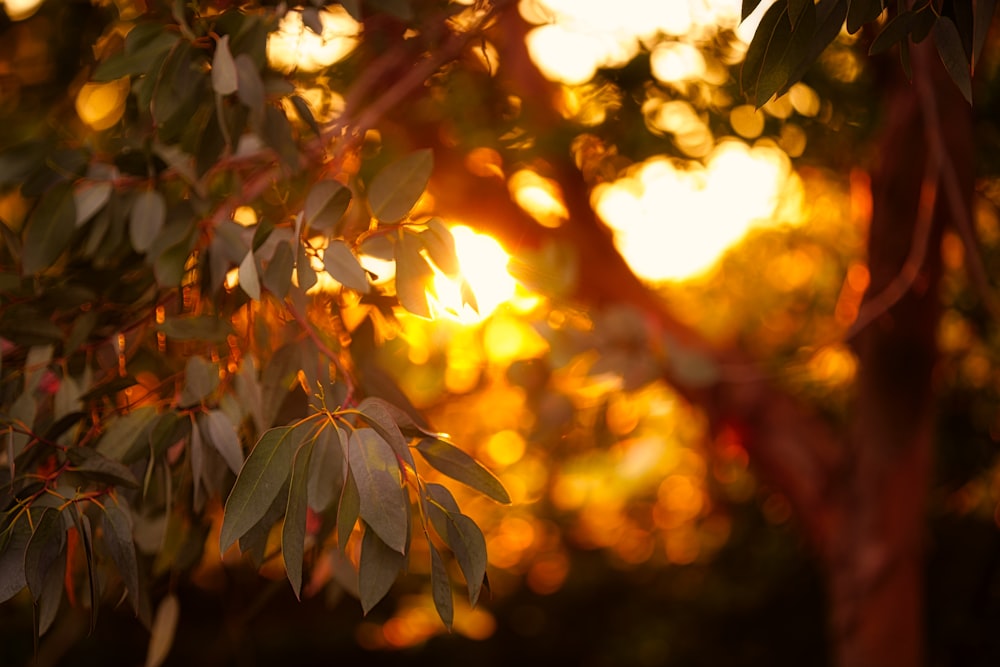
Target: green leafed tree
[(190, 320)]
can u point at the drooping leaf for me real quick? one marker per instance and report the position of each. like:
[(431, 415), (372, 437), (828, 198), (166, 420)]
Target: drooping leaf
[(82, 522), (747, 7), (144, 45), (89, 198), (341, 263), (413, 276), (224, 77), (261, 478), (277, 133), (398, 186), (278, 274), (895, 31), (382, 416), (469, 546), (201, 377), (795, 9), (293, 531), (220, 433), (380, 565), (455, 463), (13, 542), (440, 245), (45, 546), (93, 465), (52, 595), (326, 469), (121, 546), (149, 213), (122, 440), (949, 46), (162, 632), (49, 229), (253, 544), (325, 205), (348, 509), (250, 90), (441, 588), (249, 281), (376, 472), (304, 271)]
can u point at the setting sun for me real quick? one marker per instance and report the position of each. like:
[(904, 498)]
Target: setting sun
[(483, 263)]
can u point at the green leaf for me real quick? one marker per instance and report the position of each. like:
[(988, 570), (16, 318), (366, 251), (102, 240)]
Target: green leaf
[(121, 546), (895, 31), (293, 531), (455, 463), (161, 636), (341, 263), (251, 90), (13, 544), (262, 477), (304, 271), (326, 470), (52, 593), (201, 377), (144, 45), (413, 275), (45, 546), (440, 245), (397, 187), (325, 205), (383, 505), (93, 465), (278, 274), (224, 77), (469, 546), (82, 522), (949, 46), (249, 281), (277, 133), (122, 440), (49, 229), (149, 213), (441, 588), (218, 431), (89, 198), (348, 509), (380, 565), (385, 418)]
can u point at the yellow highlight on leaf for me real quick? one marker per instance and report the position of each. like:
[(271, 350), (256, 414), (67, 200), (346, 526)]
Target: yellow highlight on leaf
[(101, 105)]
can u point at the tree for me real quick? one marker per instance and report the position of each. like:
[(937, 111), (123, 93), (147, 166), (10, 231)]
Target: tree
[(160, 249)]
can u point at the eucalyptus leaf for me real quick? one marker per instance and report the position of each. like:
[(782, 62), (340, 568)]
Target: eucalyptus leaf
[(220, 433), (398, 186), (444, 602), (224, 76), (383, 505), (201, 378), (121, 546), (249, 280), (380, 565), (413, 277), (343, 266), (455, 463), (949, 46), (326, 204), (146, 220), (293, 531), (48, 540), (49, 229)]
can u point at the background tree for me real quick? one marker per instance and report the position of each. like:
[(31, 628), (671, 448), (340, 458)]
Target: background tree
[(175, 190)]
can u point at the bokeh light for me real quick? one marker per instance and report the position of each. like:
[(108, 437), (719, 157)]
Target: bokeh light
[(101, 105), (295, 47), (19, 10)]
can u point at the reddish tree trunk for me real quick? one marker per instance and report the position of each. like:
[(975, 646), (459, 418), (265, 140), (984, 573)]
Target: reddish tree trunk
[(873, 554)]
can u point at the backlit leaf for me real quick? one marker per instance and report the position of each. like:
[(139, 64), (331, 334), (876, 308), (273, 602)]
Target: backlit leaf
[(326, 470), (260, 480), (441, 588), (49, 229), (224, 78), (220, 433), (440, 245), (161, 637), (397, 187), (121, 546), (305, 113), (413, 275), (46, 545), (383, 417), (293, 531), (325, 205), (201, 377), (380, 565), (949, 46), (455, 463), (348, 510), (469, 546), (747, 8), (376, 472), (249, 281), (304, 271), (278, 274), (341, 263)]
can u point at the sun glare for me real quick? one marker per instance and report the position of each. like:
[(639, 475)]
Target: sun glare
[(294, 46), (673, 221), (483, 264)]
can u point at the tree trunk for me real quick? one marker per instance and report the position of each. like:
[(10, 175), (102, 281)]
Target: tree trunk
[(874, 554)]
